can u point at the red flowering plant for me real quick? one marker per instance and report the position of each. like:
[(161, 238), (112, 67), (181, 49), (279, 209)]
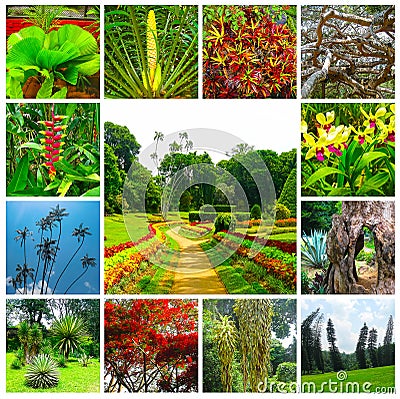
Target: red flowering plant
[(150, 345), (249, 52), (53, 149)]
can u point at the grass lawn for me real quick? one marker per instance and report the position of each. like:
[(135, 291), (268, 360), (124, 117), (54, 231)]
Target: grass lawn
[(284, 237), (115, 231), (73, 378), (379, 377)]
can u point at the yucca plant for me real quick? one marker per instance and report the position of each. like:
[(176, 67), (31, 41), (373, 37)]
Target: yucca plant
[(225, 336), (151, 52), (69, 333), (84, 359), (42, 373), (313, 250)]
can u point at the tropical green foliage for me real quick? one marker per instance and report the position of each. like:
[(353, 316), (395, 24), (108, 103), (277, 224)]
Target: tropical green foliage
[(147, 59), (66, 54), (288, 196), (42, 372), (34, 148), (317, 215), (313, 250), (348, 149)]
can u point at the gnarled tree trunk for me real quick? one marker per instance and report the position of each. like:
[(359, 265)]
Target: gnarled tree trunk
[(346, 239)]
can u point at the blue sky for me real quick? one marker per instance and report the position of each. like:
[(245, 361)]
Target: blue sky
[(27, 213), (349, 315)]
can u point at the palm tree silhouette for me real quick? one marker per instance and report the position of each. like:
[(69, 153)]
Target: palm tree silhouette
[(86, 262), (80, 232), (56, 214), (23, 235), (23, 273), (47, 253), (44, 224)]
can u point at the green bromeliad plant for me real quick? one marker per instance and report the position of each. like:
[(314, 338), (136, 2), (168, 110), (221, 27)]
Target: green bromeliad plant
[(151, 52), (65, 53), (348, 149)]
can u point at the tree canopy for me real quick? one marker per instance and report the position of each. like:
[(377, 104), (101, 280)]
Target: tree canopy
[(348, 51)]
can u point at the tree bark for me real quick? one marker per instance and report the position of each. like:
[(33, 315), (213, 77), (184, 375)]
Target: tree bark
[(316, 77), (344, 244)]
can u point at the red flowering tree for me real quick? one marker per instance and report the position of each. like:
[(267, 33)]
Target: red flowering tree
[(151, 345)]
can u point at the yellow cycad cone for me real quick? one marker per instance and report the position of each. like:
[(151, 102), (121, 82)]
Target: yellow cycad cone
[(151, 37)]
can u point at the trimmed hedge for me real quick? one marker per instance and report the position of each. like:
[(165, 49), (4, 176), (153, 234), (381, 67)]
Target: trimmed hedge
[(196, 216)]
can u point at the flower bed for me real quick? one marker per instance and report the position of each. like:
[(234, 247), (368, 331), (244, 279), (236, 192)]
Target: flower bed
[(291, 222), (283, 269), (121, 263), (289, 248)]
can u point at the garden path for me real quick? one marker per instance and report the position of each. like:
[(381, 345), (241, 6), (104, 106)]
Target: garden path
[(196, 275)]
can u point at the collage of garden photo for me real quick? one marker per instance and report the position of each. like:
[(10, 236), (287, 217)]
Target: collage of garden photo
[(199, 198)]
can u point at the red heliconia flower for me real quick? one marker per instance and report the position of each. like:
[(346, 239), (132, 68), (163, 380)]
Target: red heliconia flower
[(52, 141)]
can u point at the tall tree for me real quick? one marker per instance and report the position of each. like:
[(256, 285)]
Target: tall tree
[(307, 342), (317, 344), (372, 347), (361, 345), (336, 358), (123, 143), (388, 350)]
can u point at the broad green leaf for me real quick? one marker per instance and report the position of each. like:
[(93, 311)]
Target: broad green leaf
[(94, 192), (320, 174), (33, 146), (23, 54), (64, 187), (82, 39), (89, 178), (39, 179), (65, 166), (365, 160), (47, 88), (20, 178), (52, 185), (340, 192), (60, 94), (49, 59), (90, 156), (14, 89), (24, 33), (373, 184), (70, 75)]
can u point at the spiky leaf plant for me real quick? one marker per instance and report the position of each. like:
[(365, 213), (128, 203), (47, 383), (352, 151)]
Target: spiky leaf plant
[(42, 373), (151, 51), (313, 250), (225, 336), (255, 317), (69, 333)]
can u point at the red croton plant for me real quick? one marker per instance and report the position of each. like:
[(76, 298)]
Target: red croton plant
[(151, 345), (248, 54)]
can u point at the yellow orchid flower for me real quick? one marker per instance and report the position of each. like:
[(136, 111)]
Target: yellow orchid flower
[(373, 118)]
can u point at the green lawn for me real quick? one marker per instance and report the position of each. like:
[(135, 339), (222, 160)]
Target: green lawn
[(372, 379), (73, 378)]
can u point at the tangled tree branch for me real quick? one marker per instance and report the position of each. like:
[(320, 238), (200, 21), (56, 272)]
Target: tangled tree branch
[(349, 50)]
